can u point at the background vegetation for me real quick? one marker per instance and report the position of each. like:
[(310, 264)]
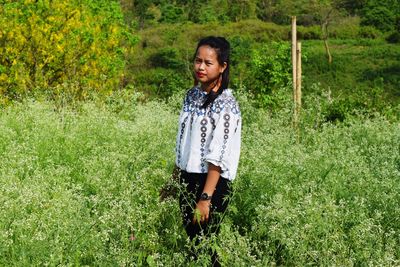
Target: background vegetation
[(90, 93)]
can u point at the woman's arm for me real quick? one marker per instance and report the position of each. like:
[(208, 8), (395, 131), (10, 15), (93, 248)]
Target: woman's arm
[(203, 206)]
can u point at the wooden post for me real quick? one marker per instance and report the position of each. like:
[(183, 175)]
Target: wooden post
[(294, 68), (294, 56), (298, 78), (296, 65)]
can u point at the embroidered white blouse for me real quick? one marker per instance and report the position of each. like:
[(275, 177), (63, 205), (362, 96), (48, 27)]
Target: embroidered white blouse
[(210, 135)]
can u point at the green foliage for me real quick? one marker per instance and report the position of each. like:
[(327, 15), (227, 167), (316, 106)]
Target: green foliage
[(270, 71), (204, 13), (171, 13), (397, 25), (357, 62), (140, 9), (369, 32), (352, 6), (161, 83), (358, 69), (241, 9), (47, 44), (378, 16), (240, 48), (167, 58), (394, 37), (346, 28), (309, 33), (79, 186)]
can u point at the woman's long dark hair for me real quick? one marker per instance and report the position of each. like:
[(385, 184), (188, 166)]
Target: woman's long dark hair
[(222, 48)]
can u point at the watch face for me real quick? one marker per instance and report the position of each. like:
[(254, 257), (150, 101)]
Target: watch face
[(204, 196)]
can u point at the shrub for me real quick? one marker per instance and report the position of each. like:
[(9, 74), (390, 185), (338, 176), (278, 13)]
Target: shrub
[(240, 10), (397, 25), (204, 13), (369, 32), (393, 38), (240, 47), (49, 43), (308, 33), (171, 13), (167, 58), (161, 83), (378, 16), (270, 70)]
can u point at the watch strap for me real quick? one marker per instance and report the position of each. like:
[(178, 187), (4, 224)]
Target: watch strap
[(205, 196)]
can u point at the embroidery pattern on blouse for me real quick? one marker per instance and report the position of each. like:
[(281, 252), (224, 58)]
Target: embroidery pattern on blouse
[(183, 125), (195, 99), (226, 135), (193, 102), (203, 135), (221, 104)]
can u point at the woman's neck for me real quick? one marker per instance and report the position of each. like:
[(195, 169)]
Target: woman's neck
[(207, 87)]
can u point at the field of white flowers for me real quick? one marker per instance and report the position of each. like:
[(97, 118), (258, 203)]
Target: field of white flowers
[(79, 186)]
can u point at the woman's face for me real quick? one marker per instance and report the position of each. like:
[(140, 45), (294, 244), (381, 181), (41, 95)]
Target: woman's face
[(206, 66)]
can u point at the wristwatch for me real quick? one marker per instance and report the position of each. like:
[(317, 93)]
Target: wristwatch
[(205, 196)]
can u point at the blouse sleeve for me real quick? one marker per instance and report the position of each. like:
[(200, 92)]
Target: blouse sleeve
[(224, 148)]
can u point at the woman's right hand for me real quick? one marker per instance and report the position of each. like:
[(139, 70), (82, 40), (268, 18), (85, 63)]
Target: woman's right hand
[(202, 212)]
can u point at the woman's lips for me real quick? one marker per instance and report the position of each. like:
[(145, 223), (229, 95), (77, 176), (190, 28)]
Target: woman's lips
[(200, 75)]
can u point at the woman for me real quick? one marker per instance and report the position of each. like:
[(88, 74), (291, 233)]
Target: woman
[(208, 140)]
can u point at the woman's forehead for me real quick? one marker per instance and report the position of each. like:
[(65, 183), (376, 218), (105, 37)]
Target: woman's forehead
[(206, 52)]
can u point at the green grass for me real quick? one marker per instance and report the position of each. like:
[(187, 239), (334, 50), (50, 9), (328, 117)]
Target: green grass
[(359, 68), (75, 183)]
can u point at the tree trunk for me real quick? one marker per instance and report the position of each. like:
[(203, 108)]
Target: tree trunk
[(325, 38), (328, 53)]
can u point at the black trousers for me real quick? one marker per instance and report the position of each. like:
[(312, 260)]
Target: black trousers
[(192, 187)]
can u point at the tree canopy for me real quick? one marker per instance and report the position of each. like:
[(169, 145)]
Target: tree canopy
[(379, 14)]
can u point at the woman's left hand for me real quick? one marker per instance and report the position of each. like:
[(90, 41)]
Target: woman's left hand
[(202, 211)]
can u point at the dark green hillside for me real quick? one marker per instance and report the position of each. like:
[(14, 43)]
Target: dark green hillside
[(363, 67), (364, 73)]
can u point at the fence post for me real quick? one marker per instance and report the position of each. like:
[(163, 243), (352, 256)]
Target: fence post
[(294, 69), (294, 55), (298, 79)]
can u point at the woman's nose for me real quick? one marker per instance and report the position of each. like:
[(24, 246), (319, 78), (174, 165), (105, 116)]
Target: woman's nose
[(201, 66)]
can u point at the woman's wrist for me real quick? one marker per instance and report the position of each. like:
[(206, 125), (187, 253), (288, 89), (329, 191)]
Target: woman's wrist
[(205, 196), (206, 203)]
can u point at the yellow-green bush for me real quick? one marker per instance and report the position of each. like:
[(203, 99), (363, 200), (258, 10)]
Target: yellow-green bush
[(51, 45)]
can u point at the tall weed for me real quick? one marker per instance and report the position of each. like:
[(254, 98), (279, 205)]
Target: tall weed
[(79, 186)]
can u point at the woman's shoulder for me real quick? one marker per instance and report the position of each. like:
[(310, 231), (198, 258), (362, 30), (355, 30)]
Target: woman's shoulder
[(226, 101), (194, 93)]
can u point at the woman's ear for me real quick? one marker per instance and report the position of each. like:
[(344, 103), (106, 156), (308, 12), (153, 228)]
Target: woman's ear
[(223, 68)]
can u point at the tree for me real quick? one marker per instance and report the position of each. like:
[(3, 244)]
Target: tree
[(61, 45), (353, 7), (171, 13), (266, 9), (241, 9), (321, 12), (141, 7), (379, 16)]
